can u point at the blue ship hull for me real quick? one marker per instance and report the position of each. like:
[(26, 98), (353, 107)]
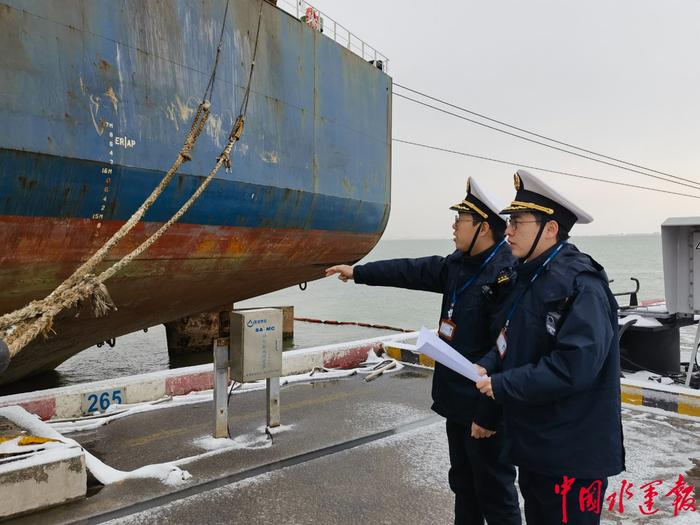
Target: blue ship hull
[(95, 100)]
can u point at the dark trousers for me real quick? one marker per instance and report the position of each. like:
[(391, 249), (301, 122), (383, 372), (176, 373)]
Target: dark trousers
[(543, 505), (484, 486)]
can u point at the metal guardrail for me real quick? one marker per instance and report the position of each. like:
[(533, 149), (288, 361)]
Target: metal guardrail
[(319, 21)]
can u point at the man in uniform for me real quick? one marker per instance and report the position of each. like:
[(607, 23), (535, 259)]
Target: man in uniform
[(482, 483), (556, 365)]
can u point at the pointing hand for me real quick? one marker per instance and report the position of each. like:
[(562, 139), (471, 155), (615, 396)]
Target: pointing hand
[(344, 272)]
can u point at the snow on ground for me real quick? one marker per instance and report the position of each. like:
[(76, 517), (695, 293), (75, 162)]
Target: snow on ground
[(259, 439), (420, 470), (659, 446), (165, 472), (428, 464), (169, 473)]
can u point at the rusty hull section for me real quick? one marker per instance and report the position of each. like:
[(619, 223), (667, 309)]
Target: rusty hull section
[(165, 288)]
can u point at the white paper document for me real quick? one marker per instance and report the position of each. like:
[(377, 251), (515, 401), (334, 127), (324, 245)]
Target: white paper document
[(431, 345)]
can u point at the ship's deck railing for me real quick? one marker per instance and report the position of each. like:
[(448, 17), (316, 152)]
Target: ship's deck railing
[(332, 29)]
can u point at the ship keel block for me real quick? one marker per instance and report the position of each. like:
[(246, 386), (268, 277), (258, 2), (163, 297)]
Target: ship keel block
[(196, 333), (192, 333), (4, 356)]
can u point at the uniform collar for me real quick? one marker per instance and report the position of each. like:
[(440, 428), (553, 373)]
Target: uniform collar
[(528, 268), (480, 257)]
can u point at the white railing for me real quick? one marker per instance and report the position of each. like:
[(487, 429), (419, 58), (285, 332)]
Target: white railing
[(318, 21)]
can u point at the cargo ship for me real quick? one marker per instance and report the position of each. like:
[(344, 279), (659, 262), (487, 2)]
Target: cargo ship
[(96, 98)]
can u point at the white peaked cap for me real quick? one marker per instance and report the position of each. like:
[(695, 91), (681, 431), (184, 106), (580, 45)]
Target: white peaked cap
[(535, 195), (479, 202)]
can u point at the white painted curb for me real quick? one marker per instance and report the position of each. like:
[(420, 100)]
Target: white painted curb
[(67, 402)]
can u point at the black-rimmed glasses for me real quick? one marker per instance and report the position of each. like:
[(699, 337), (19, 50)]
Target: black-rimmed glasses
[(514, 223)]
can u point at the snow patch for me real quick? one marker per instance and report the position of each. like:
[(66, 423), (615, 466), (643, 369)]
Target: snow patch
[(429, 464), (13, 447), (167, 473), (259, 439), (372, 357), (647, 322), (42, 457)]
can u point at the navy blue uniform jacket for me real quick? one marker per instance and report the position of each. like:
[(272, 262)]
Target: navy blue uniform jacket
[(454, 396), (559, 381)]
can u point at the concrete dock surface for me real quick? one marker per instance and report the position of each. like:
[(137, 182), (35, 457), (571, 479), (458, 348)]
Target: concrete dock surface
[(348, 452)]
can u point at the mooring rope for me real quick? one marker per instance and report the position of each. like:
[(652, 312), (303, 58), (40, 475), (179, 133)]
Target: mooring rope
[(24, 325)]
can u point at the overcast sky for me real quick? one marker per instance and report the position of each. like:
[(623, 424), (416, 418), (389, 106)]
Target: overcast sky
[(621, 77)]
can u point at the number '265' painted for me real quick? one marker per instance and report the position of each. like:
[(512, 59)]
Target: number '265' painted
[(102, 400)]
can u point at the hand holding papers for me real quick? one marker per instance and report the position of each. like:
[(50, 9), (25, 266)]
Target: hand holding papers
[(432, 346)]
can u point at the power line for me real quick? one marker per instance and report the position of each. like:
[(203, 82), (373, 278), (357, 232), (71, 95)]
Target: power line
[(695, 186), (568, 145), (520, 165)]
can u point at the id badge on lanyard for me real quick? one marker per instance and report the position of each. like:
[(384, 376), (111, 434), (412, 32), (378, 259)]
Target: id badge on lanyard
[(447, 329), (447, 326), (502, 342)]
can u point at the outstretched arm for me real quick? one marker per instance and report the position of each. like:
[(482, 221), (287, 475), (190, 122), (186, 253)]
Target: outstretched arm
[(425, 273)]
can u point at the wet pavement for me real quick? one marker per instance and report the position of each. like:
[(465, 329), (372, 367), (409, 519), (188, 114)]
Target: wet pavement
[(348, 452)]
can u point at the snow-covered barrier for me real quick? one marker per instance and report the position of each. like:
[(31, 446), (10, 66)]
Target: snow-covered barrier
[(52, 468), (98, 396), (39, 473)]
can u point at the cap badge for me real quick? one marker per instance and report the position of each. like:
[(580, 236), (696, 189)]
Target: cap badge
[(517, 182)]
